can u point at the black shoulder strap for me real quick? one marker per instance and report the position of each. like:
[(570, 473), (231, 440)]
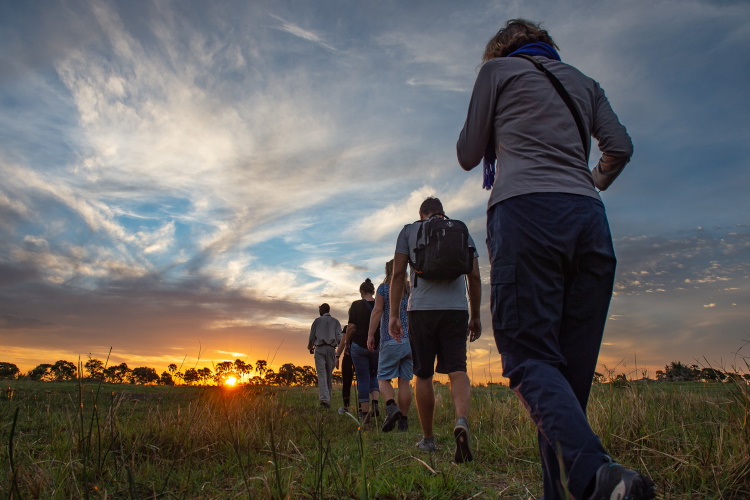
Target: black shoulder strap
[(585, 140), (369, 306)]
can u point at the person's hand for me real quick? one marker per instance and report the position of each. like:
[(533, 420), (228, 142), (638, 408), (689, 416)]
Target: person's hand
[(312, 351), (337, 361), (396, 329), (370, 342), (475, 329)]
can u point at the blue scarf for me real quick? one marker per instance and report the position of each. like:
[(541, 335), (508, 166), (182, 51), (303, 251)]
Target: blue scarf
[(533, 49)]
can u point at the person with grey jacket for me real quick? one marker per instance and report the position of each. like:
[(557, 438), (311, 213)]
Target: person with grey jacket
[(325, 336), (550, 247)]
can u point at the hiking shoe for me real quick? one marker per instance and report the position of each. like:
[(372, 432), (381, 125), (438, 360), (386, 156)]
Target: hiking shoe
[(427, 444), (325, 404), (343, 410), (403, 424), (392, 416), (615, 482), (463, 441)]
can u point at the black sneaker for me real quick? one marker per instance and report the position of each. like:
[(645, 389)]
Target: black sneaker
[(392, 416), (615, 482), (463, 441), (325, 404), (403, 424)]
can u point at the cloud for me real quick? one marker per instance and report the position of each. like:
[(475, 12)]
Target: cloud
[(301, 33)]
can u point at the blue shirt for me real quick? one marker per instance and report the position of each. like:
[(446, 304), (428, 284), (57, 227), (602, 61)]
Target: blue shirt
[(384, 291)]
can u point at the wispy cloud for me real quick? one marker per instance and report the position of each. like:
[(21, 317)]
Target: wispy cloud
[(302, 33)]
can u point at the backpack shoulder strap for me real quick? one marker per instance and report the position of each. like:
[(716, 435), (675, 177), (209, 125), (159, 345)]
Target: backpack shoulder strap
[(566, 98)]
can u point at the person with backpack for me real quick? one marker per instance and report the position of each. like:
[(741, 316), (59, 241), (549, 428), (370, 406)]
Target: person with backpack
[(395, 359), (550, 248), (365, 361), (440, 318)]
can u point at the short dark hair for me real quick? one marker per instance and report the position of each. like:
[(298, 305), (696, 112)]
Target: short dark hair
[(515, 34), (431, 206), (324, 308)]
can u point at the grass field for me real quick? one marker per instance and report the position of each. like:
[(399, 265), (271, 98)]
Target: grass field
[(66, 440)]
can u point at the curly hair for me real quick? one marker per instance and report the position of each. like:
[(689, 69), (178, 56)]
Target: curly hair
[(515, 34)]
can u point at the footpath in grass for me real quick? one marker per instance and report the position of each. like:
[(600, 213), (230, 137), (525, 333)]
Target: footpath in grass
[(71, 440)]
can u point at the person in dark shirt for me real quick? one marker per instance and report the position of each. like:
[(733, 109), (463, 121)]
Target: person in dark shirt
[(365, 361)]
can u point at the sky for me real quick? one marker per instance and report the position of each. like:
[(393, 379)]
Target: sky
[(186, 181)]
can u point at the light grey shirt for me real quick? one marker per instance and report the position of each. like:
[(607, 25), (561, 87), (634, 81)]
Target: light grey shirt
[(536, 140), (325, 330), (431, 295)]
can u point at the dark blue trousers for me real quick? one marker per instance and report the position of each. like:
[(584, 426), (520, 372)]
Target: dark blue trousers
[(553, 268)]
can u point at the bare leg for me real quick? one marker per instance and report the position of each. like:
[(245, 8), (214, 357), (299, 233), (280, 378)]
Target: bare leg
[(425, 399), (386, 389), (460, 392), (404, 395)]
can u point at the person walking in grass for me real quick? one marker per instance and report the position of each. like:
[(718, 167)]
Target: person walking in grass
[(550, 247), (395, 359), (347, 374), (365, 361), (440, 320), (325, 335)]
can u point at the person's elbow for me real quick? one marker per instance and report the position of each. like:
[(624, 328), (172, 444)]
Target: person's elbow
[(467, 159)]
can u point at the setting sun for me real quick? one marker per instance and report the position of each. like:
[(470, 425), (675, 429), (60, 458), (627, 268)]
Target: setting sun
[(230, 381)]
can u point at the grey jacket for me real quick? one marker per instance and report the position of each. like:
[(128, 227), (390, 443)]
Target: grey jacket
[(325, 330), (536, 140)]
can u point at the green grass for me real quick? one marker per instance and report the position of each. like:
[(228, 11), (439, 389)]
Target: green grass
[(63, 440)]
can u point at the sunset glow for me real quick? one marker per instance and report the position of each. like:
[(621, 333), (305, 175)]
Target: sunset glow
[(230, 381)]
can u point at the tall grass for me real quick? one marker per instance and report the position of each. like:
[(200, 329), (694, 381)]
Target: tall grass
[(65, 440)]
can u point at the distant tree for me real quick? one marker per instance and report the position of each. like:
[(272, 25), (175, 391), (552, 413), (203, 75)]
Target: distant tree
[(144, 375), (337, 378), (64, 370), (222, 371), (288, 375), (172, 369), (309, 376), (660, 375), (42, 372), (678, 372), (270, 376), (241, 368), (598, 378), (191, 376), (746, 377), (94, 367), (261, 366), (711, 375), (8, 370), (166, 379), (117, 374), (204, 374)]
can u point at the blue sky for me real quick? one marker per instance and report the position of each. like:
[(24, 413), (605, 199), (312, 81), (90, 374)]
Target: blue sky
[(192, 179)]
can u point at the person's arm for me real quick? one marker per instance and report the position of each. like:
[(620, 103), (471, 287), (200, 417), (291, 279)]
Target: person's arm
[(614, 143), (377, 313), (479, 126), (311, 340), (474, 282), (395, 328)]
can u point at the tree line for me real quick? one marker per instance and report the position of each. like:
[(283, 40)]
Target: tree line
[(238, 370), (287, 375)]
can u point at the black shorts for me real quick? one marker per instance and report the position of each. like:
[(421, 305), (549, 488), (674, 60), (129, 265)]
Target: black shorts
[(440, 334)]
